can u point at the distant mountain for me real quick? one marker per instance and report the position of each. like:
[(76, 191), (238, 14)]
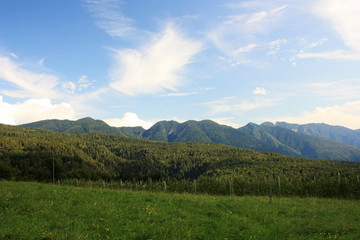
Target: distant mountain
[(342, 134), (280, 137), (85, 125)]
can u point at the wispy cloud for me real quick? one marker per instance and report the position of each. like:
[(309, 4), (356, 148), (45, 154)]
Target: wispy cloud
[(344, 18), (343, 89), (239, 106), (30, 84), (178, 94), (239, 34), (109, 17), (156, 66)]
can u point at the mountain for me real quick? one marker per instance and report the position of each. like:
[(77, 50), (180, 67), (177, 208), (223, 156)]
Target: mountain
[(85, 125), (279, 137), (201, 131), (339, 133)]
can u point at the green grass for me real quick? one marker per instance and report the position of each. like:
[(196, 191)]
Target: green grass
[(43, 211)]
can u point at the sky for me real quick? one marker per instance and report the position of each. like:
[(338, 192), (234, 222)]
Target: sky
[(134, 63)]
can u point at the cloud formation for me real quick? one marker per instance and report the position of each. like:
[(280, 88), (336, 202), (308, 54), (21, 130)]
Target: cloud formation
[(129, 120), (30, 84), (260, 91), (344, 18), (157, 66), (71, 87), (109, 17), (34, 110), (347, 89), (238, 34), (235, 105)]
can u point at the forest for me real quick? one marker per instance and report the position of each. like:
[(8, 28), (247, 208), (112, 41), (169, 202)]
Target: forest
[(28, 154)]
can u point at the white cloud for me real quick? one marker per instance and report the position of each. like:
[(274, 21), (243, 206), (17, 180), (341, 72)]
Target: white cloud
[(156, 66), (69, 87), (345, 19), (275, 46), (179, 94), (260, 91), (347, 115), (33, 110), (32, 85), (342, 89), (109, 17), (235, 105), (336, 54), (226, 121), (83, 82), (129, 120), (245, 49)]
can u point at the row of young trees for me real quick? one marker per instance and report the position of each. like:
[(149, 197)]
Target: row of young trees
[(233, 186)]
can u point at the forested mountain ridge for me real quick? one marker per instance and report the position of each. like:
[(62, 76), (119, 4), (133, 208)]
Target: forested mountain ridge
[(339, 133), (85, 125), (28, 154), (265, 137)]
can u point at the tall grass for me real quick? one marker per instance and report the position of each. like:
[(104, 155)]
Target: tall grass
[(44, 211)]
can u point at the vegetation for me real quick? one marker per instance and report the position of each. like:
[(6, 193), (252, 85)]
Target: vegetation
[(42, 211), (29, 154), (264, 137)]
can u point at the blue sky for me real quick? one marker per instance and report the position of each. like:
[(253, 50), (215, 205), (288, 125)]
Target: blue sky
[(133, 63)]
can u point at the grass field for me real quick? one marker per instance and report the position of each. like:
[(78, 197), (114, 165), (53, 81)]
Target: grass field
[(44, 211)]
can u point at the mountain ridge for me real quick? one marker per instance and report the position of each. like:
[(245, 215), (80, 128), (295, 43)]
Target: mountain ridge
[(279, 137)]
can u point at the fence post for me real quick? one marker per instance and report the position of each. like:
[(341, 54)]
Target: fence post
[(279, 185), (339, 177), (195, 186), (165, 186), (271, 180), (231, 186)]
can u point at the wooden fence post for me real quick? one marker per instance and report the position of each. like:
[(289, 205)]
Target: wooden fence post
[(195, 186), (231, 186), (279, 184)]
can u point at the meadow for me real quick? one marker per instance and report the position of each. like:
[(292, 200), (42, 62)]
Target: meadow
[(46, 211)]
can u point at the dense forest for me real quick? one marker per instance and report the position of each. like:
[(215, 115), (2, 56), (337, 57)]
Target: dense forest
[(29, 154)]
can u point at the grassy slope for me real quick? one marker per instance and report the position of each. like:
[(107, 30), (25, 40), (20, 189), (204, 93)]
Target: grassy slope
[(42, 211)]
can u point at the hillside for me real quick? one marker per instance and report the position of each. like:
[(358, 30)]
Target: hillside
[(29, 153), (265, 137)]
